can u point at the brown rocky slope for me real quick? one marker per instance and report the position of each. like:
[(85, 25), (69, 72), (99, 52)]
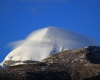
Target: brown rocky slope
[(78, 64)]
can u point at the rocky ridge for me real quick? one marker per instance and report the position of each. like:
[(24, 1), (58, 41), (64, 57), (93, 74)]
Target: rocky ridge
[(77, 64)]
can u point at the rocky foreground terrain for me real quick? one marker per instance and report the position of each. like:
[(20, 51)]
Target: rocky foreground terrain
[(78, 64)]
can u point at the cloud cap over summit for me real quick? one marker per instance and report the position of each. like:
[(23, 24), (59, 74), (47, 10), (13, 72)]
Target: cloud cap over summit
[(43, 42)]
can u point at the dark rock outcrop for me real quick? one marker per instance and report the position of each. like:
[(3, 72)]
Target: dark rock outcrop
[(78, 64)]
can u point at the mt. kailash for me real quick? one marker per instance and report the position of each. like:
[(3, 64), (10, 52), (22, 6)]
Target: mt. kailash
[(43, 42)]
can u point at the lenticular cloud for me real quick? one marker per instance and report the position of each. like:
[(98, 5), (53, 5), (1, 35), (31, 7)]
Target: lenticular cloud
[(43, 42)]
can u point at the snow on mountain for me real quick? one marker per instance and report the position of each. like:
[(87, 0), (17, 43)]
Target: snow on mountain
[(3, 65), (19, 63), (43, 42)]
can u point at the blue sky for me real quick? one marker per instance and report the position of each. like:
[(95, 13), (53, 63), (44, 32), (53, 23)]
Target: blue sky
[(18, 18)]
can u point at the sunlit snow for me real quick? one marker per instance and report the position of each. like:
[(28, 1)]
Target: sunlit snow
[(20, 63), (43, 42)]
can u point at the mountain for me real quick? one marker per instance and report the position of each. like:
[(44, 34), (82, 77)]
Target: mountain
[(43, 42), (75, 64)]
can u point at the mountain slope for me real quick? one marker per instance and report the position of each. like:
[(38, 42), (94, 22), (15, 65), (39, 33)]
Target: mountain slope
[(76, 64)]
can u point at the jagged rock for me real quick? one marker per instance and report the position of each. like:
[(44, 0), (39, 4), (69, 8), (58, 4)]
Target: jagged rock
[(10, 62), (81, 63), (77, 64)]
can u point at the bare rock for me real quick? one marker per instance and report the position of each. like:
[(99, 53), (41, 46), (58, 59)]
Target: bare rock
[(78, 64)]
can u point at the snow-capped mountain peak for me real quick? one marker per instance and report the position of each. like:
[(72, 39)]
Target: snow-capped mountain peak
[(43, 42)]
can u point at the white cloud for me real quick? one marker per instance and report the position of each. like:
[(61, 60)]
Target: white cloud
[(15, 44)]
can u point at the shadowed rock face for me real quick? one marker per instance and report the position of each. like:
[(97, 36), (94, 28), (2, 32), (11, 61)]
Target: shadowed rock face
[(39, 71), (78, 64), (93, 78), (94, 55)]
